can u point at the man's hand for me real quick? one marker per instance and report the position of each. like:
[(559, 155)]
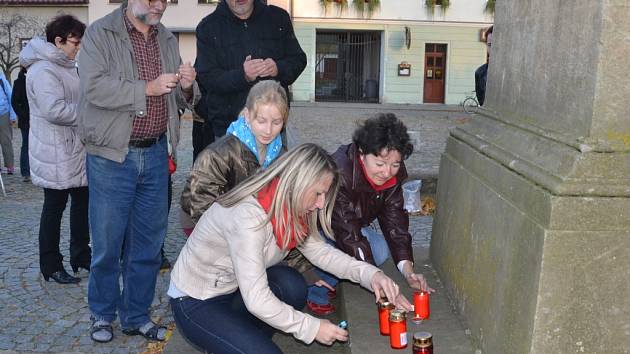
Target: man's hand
[(384, 286), (253, 68), (270, 68), (164, 84), (418, 282), (187, 75), (328, 333)]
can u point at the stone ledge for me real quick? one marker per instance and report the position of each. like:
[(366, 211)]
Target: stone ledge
[(359, 309)]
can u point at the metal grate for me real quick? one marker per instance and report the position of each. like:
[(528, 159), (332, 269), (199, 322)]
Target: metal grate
[(347, 66)]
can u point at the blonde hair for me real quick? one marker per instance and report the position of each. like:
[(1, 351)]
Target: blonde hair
[(268, 92), (296, 170)]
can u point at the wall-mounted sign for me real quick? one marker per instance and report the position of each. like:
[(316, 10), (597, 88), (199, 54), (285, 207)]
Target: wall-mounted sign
[(404, 69)]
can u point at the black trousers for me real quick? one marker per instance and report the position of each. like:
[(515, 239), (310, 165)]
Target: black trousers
[(202, 136), (55, 201)]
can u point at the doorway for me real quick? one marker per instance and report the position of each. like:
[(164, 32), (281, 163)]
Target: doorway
[(347, 67), (434, 72)]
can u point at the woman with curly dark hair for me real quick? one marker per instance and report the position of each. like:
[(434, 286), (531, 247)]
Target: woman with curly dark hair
[(372, 172)]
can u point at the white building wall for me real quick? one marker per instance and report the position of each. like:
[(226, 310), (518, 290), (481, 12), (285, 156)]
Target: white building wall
[(459, 27), (401, 10)]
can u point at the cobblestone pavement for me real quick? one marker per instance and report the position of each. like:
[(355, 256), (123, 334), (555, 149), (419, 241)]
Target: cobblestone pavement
[(40, 316)]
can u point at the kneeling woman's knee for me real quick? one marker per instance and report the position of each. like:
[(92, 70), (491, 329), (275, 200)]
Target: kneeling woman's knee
[(288, 285)]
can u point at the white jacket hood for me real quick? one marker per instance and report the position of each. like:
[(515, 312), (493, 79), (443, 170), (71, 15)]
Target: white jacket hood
[(39, 49)]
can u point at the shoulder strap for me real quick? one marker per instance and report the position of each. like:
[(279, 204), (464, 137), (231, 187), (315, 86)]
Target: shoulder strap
[(4, 89)]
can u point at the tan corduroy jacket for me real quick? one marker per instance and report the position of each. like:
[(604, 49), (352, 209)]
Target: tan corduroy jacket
[(224, 253)]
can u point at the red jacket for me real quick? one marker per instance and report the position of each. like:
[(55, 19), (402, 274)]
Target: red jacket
[(358, 204)]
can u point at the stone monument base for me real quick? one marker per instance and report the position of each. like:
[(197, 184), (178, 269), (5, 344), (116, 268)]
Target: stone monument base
[(531, 243)]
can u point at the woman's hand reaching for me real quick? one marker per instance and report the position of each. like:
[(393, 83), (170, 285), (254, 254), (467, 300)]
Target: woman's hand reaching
[(384, 286), (417, 281), (328, 333)]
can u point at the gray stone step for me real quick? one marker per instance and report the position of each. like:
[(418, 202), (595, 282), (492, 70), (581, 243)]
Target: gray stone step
[(356, 305), (359, 309)]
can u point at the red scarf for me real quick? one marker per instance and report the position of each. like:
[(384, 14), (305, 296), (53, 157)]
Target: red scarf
[(265, 197), (388, 184)]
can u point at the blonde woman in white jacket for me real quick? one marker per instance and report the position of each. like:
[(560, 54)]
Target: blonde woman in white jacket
[(56, 155), (228, 293)]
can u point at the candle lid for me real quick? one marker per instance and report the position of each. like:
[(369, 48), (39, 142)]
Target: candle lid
[(422, 339), (397, 315), (383, 303)]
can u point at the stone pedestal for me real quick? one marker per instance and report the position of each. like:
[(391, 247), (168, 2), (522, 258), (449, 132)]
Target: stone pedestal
[(532, 232)]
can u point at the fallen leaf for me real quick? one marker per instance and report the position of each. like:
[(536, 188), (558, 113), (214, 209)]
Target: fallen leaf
[(428, 206)]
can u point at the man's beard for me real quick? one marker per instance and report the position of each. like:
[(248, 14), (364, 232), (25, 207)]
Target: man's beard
[(143, 16)]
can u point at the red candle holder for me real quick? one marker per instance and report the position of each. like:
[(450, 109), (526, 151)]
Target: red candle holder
[(421, 306), (398, 329), (384, 307)]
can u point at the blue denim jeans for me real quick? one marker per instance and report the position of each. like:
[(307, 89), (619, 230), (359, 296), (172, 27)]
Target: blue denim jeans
[(24, 166), (380, 252), (128, 206), (223, 325)]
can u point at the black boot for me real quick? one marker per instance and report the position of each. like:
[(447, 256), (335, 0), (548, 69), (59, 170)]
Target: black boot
[(62, 277), (76, 267)]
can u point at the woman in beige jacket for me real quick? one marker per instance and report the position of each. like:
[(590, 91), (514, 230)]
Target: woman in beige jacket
[(228, 292)]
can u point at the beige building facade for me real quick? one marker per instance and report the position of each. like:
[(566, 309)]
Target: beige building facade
[(32, 16), (401, 51)]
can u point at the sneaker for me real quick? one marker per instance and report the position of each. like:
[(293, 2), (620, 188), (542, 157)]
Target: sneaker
[(26, 179), (321, 310), (10, 170)]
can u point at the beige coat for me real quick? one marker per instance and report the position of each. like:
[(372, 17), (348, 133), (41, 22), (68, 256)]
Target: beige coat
[(224, 253)]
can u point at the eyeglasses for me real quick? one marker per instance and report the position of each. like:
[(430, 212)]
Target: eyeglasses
[(75, 43)]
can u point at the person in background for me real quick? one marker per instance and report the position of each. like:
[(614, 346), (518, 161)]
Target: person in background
[(57, 156), (228, 292), (481, 74), (372, 172), (239, 44), (19, 101), (132, 82), (7, 117), (202, 134)]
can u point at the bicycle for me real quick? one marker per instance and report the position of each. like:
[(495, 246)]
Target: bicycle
[(470, 104)]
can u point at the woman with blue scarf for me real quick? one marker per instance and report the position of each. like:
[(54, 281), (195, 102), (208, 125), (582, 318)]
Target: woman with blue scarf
[(252, 142)]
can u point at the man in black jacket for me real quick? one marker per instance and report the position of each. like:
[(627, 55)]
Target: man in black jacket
[(239, 44), (481, 73), (19, 102)]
